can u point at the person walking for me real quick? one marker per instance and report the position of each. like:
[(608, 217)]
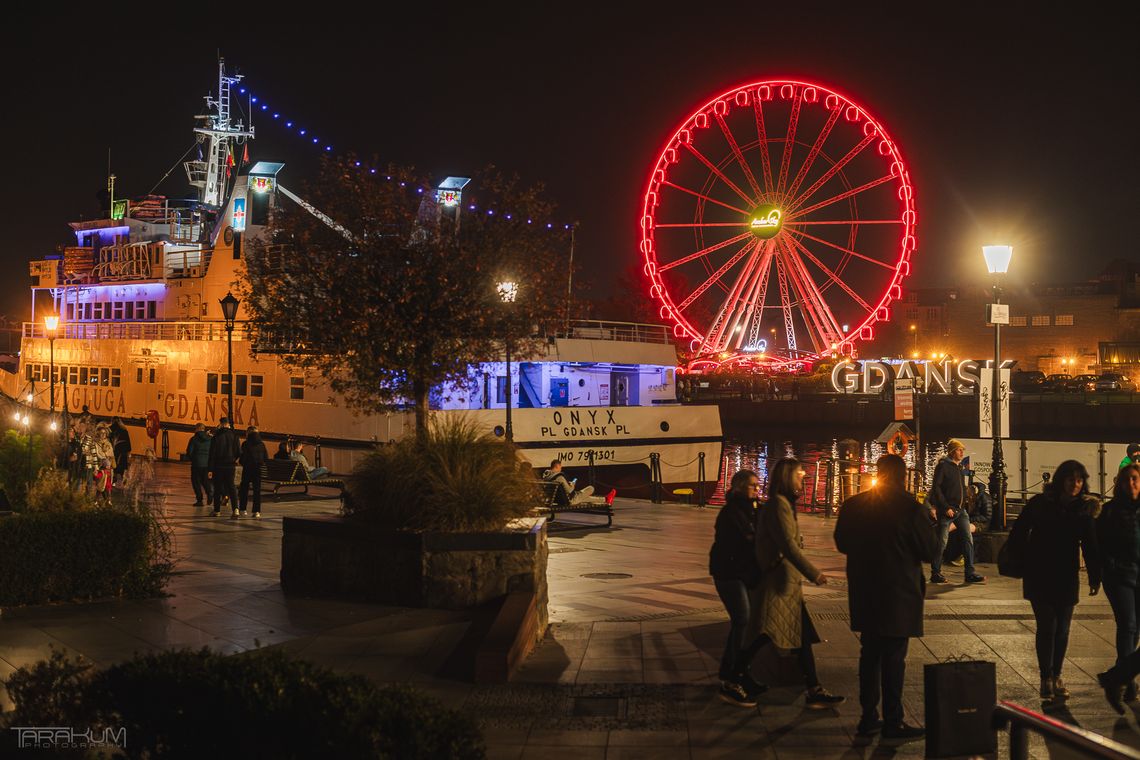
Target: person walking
[(735, 572), (253, 458), (1118, 538), (1052, 531), (779, 615), (198, 452), (947, 499), (886, 535), (121, 445), (224, 452)]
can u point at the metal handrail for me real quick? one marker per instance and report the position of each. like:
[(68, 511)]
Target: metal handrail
[(1022, 720), (594, 329), (157, 330)]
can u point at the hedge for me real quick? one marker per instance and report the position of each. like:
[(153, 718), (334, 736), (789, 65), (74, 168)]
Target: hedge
[(197, 704), (63, 556)]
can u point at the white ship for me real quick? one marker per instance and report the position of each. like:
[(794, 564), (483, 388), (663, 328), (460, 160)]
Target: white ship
[(142, 336)]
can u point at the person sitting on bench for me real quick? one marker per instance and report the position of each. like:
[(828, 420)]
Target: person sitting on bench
[(298, 455), (573, 495)]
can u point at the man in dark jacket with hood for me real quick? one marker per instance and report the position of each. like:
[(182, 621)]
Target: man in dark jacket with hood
[(198, 452), (224, 451), (886, 535), (947, 499)]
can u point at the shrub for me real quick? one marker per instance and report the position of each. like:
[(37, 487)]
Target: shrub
[(61, 556), (455, 479), (17, 464), (258, 704), (53, 492)]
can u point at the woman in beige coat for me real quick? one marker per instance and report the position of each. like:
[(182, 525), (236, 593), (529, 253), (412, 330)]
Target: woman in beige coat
[(779, 616)]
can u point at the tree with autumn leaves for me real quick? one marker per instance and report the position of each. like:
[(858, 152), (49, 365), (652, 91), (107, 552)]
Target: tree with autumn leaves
[(403, 297)]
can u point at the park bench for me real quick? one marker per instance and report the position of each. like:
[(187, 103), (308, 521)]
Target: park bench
[(555, 500), (288, 472)]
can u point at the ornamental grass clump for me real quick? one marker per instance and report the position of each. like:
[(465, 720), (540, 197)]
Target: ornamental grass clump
[(455, 479), (54, 492)]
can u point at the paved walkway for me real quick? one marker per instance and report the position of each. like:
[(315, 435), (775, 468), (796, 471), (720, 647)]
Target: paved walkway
[(628, 667)]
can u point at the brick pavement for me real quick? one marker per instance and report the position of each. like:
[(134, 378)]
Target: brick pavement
[(628, 667)]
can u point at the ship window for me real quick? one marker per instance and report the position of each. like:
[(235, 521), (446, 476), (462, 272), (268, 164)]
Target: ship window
[(71, 312), (226, 385), (1064, 320), (1038, 320), (117, 310), (83, 376), (104, 376), (241, 385), (94, 376), (140, 309), (151, 309), (116, 378), (85, 311), (97, 310), (27, 372), (73, 375), (183, 375), (501, 390), (297, 389), (151, 380), (138, 374), (211, 382), (255, 383)]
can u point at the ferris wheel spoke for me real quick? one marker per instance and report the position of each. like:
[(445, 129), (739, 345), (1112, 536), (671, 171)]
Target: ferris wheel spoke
[(703, 197), (809, 222), (848, 251), (830, 325), (806, 307), (786, 305), (725, 320), (703, 224), (801, 175), (703, 252), (739, 155), (789, 143), (831, 172), (719, 174), (831, 275), (844, 195), (715, 276), (762, 136), (755, 300)]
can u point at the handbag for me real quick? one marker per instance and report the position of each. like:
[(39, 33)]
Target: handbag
[(1011, 559), (960, 697)]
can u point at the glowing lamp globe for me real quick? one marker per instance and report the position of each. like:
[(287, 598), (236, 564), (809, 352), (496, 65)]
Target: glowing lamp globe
[(997, 258), (51, 324), (508, 291)]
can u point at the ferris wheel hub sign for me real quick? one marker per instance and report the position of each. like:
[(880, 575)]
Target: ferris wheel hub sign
[(766, 221)]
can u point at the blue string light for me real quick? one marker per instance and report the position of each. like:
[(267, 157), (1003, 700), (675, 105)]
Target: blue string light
[(371, 170)]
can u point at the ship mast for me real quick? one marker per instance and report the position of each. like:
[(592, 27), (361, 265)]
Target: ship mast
[(220, 136)]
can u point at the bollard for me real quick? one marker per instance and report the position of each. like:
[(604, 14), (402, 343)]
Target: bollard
[(165, 445), (701, 480)]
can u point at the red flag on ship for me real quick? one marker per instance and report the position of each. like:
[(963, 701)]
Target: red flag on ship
[(245, 155), (229, 157)]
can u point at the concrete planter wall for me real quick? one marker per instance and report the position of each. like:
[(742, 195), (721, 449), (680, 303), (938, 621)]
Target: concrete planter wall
[(342, 558)]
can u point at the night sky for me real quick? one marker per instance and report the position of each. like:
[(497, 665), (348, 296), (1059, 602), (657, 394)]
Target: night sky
[(1017, 127)]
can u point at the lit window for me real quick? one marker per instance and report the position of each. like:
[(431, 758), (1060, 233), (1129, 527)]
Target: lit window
[(255, 385), (297, 389), (1016, 322), (1040, 320), (1064, 320), (211, 382)]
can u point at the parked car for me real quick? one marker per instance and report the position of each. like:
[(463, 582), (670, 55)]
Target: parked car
[(1114, 381), (1027, 381), (1081, 384), (1056, 383)]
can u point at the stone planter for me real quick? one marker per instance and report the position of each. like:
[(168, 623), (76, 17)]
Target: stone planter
[(345, 559)]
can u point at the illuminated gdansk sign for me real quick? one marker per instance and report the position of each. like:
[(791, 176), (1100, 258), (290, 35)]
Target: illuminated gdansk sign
[(930, 377)]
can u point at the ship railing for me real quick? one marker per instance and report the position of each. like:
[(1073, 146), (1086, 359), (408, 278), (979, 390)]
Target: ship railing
[(140, 331), (634, 332)]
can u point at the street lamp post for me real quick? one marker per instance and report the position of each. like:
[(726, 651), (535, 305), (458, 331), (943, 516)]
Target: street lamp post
[(508, 291), (229, 311), (914, 334), (997, 262), (51, 329)]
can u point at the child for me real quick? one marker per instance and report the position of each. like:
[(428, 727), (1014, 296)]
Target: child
[(104, 475)]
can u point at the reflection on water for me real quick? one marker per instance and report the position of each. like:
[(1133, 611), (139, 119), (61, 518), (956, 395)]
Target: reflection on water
[(821, 458)]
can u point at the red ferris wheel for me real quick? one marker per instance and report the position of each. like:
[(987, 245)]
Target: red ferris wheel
[(778, 225)]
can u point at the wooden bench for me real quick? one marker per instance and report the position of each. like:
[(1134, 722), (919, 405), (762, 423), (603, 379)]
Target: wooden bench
[(555, 500), (288, 472)]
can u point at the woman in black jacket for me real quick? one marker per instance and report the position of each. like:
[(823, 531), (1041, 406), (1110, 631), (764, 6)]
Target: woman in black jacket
[(1050, 532), (253, 456), (1118, 537), (733, 566)]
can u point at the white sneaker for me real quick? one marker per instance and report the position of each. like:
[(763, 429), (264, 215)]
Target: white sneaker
[(234, 515), (256, 515), (243, 513)]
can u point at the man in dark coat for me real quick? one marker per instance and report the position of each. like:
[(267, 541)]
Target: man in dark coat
[(224, 451), (886, 535), (947, 499)]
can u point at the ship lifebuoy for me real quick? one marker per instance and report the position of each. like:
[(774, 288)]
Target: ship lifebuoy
[(152, 424), (898, 444)]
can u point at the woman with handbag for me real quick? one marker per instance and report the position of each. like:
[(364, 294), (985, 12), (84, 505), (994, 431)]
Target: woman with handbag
[(1052, 531), (733, 566), (1118, 538), (779, 616)]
